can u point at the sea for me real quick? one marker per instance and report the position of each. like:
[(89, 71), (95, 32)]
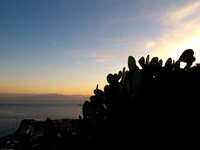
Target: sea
[(12, 114)]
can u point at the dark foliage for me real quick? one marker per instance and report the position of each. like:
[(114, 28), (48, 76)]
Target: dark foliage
[(157, 105)]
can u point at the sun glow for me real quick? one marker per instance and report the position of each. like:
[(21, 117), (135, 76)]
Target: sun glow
[(193, 43)]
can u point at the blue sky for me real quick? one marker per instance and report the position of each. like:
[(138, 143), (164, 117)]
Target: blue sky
[(68, 46)]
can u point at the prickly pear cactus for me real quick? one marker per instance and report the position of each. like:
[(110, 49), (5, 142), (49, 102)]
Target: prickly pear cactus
[(157, 99), (132, 64), (126, 85)]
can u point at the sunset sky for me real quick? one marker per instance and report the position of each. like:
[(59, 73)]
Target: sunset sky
[(69, 46)]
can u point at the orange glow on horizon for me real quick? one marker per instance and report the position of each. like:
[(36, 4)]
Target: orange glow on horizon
[(39, 90)]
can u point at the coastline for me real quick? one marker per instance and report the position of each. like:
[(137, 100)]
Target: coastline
[(32, 133), (12, 114)]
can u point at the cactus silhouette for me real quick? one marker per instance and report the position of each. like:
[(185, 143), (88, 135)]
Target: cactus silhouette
[(155, 104), (187, 57)]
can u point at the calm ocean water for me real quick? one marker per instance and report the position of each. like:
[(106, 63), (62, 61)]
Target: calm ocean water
[(12, 114)]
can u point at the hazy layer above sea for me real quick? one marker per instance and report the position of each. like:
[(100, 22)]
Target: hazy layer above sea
[(41, 98)]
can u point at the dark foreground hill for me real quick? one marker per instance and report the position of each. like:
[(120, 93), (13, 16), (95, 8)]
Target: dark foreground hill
[(157, 106)]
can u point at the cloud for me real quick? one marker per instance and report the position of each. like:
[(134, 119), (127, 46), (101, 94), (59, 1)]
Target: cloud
[(111, 49), (181, 30), (177, 28), (178, 15), (105, 55), (100, 55)]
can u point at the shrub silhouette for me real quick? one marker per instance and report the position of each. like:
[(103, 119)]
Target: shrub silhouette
[(157, 104)]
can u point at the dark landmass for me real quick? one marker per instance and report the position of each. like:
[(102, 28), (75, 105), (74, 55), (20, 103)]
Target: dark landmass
[(157, 107), (33, 134)]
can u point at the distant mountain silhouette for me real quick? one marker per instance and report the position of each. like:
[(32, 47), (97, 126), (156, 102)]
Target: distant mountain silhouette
[(40, 98)]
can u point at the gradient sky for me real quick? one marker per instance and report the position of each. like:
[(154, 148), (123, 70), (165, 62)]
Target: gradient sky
[(68, 46)]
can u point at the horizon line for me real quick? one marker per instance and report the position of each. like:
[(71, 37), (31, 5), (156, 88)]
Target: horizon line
[(12, 93)]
